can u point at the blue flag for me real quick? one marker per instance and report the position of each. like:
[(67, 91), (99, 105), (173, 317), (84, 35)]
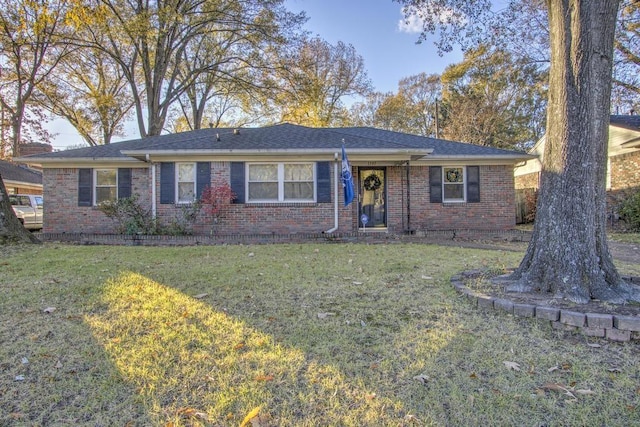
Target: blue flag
[(347, 179)]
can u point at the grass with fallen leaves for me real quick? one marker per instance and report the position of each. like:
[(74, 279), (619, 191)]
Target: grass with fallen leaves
[(288, 335)]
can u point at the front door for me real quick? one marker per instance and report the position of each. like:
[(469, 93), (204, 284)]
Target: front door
[(373, 213)]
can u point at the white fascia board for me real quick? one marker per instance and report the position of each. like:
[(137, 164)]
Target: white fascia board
[(78, 162), (480, 160), (265, 155), (14, 183)]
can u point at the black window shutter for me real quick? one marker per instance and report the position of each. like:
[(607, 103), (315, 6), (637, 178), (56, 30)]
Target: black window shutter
[(323, 172), (435, 184), (167, 183), (124, 183), (85, 187), (473, 184), (203, 177), (237, 181)]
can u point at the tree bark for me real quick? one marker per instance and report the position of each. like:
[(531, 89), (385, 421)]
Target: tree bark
[(11, 230), (568, 255)]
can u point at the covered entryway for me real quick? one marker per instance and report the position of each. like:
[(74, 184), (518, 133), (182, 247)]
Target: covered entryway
[(372, 199)]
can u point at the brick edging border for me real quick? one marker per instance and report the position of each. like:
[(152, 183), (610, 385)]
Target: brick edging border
[(610, 326)]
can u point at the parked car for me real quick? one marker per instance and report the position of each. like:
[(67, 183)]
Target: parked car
[(28, 209)]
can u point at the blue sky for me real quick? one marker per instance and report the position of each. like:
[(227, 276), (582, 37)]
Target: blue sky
[(373, 27)]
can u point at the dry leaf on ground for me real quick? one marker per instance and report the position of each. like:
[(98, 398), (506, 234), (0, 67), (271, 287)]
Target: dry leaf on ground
[(512, 365), (254, 413), (558, 388), (325, 315)]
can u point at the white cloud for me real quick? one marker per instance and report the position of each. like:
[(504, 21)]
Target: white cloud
[(412, 21), (412, 24)]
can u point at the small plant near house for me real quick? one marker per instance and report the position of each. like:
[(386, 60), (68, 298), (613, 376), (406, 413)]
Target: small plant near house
[(630, 211), (131, 217), (531, 201), (182, 224), (215, 201)]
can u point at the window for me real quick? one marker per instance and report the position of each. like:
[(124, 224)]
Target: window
[(106, 185), (186, 182), (96, 186), (183, 182), (453, 183), (281, 182)]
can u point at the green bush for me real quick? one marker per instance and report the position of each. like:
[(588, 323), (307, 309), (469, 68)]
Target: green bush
[(131, 217), (182, 225), (630, 211)]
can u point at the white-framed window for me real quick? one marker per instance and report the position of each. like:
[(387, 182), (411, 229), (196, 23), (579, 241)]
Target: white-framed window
[(106, 185), (453, 184), (281, 182), (185, 182)]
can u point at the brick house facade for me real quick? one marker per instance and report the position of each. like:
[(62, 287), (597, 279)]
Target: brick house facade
[(425, 184), (623, 167)]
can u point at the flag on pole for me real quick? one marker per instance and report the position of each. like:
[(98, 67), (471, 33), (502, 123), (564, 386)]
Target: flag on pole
[(347, 179)]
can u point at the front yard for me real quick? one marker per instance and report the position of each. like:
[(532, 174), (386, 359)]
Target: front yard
[(288, 335)]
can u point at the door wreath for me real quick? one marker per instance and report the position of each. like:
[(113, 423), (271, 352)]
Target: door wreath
[(372, 183)]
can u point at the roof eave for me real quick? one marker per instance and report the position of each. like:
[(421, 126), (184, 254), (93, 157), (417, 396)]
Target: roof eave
[(74, 160), (321, 153), (518, 157)]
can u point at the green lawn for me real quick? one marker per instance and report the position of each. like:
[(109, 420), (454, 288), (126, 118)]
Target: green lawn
[(288, 335)]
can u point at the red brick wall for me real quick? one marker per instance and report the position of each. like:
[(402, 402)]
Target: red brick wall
[(625, 171), (35, 148), (61, 211), (495, 210)]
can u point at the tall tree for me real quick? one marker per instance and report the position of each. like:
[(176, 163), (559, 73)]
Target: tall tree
[(568, 255), (237, 64), (30, 49), (148, 39), (413, 108), (90, 91), (627, 60), (502, 99), (364, 113), (316, 78)]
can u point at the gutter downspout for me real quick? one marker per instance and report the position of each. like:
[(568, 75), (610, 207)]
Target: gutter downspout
[(408, 172), (335, 197), (153, 189)]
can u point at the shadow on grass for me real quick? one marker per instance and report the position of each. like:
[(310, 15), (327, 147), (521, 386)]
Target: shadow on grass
[(351, 336), (194, 364), (53, 372)]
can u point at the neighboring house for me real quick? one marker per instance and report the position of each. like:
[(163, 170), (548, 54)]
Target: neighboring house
[(623, 164), (287, 180), (19, 179)]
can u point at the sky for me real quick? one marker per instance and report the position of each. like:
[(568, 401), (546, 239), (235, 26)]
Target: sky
[(376, 30)]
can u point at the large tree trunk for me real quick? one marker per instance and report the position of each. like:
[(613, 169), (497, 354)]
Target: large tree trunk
[(11, 230), (568, 255)]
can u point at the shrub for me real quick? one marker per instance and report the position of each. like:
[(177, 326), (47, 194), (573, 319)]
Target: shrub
[(216, 201), (131, 217), (182, 225), (630, 211)]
